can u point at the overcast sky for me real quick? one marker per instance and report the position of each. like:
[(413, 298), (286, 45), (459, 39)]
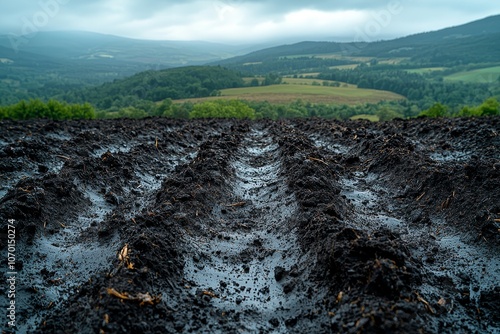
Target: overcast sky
[(242, 21)]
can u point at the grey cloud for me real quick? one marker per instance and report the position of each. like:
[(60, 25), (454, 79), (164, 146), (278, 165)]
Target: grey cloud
[(222, 20)]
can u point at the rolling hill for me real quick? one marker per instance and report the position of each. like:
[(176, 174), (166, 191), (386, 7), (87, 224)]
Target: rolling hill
[(469, 43), (26, 59), (296, 89), (78, 45), (154, 86), (474, 42)]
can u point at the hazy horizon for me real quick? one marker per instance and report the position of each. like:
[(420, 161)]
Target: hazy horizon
[(241, 22)]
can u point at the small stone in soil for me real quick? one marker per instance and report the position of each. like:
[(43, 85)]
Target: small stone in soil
[(179, 326), (279, 273), (291, 322), (274, 322), (289, 287)]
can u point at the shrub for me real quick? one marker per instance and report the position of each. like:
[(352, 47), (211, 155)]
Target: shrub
[(51, 110), (437, 110), (386, 114), (490, 107)]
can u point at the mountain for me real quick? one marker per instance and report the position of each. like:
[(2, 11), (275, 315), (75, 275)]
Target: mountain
[(473, 42), (486, 26), (9, 57), (477, 41), (77, 45)]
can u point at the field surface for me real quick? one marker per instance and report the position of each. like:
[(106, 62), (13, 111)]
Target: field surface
[(483, 75), (426, 70), (303, 89), (299, 226)]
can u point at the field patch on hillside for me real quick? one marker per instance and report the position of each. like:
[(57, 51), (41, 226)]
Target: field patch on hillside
[(286, 93), (483, 75)]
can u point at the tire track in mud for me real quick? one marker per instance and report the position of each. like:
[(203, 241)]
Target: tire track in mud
[(59, 252), (252, 265), (369, 274), (459, 274), (153, 238), (460, 269)]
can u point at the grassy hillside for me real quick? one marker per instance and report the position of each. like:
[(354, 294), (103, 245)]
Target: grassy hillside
[(314, 82), (286, 93), (298, 49), (483, 75), (371, 118), (426, 70), (446, 52)]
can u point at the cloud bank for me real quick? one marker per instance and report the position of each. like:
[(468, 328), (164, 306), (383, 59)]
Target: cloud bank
[(242, 21)]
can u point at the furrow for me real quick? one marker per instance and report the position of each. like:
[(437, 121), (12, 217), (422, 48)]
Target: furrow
[(253, 263)]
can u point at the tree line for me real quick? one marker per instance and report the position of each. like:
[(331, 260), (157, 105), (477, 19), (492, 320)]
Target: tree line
[(490, 107), (385, 111), (153, 86), (415, 87), (222, 108), (288, 65)]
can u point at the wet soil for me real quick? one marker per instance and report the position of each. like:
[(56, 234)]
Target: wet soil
[(220, 226)]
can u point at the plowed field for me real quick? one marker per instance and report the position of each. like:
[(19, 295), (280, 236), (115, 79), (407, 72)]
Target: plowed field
[(220, 226)]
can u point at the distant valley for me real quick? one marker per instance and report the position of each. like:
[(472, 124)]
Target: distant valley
[(36, 65), (458, 67)]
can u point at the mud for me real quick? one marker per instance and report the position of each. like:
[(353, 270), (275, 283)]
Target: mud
[(162, 226)]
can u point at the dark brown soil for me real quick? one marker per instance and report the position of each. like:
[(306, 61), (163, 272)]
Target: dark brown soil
[(303, 226)]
